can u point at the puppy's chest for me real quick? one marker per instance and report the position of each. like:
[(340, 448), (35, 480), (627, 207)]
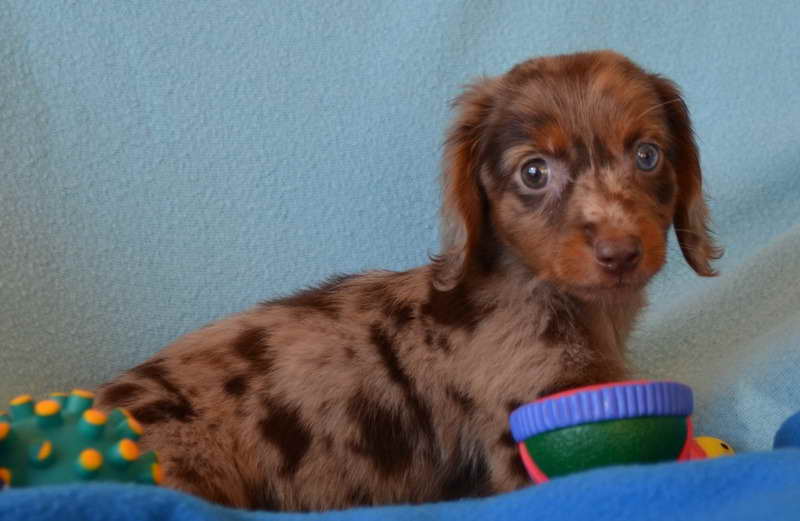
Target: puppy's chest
[(515, 354)]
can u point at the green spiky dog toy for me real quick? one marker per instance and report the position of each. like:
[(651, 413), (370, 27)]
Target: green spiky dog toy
[(62, 439)]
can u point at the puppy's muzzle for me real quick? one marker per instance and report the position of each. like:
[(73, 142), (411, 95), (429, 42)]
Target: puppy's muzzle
[(619, 255)]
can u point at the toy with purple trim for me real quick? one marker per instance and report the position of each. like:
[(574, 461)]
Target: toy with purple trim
[(611, 424)]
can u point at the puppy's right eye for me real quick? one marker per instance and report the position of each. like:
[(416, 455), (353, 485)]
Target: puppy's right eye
[(535, 173), (647, 156)]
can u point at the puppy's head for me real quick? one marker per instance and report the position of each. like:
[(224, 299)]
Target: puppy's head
[(576, 166)]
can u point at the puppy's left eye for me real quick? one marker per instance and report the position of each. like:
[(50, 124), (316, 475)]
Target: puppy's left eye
[(535, 173), (647, 156)]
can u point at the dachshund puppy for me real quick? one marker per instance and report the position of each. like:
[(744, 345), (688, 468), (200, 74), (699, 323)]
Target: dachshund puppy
[(561, 180)]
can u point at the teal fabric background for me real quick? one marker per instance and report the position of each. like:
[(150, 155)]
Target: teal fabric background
[(167, 163)]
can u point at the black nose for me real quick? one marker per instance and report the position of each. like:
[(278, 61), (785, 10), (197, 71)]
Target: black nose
[(618, 255)]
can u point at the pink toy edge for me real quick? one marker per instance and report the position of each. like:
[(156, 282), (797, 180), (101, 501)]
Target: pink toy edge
[(533, 469)]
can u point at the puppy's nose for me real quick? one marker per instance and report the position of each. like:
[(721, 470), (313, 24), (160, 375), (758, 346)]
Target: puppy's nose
[(618, 255)]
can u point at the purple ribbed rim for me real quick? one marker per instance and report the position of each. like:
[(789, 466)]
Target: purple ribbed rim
[(610, 402)]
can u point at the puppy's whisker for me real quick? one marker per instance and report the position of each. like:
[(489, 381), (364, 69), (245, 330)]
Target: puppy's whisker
[(691, 249), (686, 230), (656, 106)]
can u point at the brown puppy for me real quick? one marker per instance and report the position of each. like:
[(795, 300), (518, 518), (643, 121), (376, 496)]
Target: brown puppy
[(561, 180)]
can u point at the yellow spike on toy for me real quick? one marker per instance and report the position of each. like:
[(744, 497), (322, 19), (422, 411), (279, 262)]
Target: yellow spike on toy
[(61, 439)]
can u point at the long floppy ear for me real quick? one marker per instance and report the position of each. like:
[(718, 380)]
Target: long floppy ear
[(691, 219), (462, 198)]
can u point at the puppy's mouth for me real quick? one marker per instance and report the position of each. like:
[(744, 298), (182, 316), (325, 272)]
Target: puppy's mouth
[(633, 280), (616, 285), (612, 288)]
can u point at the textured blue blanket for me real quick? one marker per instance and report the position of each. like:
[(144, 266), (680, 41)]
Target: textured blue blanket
[(755, 486), (762, 486)]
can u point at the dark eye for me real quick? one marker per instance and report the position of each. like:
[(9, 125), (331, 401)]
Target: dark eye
[(647, 156), (535, 173)]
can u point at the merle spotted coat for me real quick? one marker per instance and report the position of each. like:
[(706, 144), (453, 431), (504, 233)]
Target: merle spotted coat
[(561, 180)]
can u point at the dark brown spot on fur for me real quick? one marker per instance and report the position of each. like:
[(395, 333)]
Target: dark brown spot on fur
[(325, 406), (453, 308), (236, 386), (284, 428), (581, 160), (122, 395), (631, 139), (385, 437), (359, 497), (629, 204), (398, 375), (468, 476), (262, 496), (187, 472), (601, 155), (381, 340), (443, 343), (163, 410), (379, 296), (535, 121), (485, 256), (401, 315), (462, 399), (513, 405), (514, 130), (322, 298), (507, 440), (502, 138), (251, 344), (664, 189), (178, 407), (152, 369)]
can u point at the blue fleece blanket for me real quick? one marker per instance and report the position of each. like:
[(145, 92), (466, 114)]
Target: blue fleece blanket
[(760, 486), (757, 486)]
